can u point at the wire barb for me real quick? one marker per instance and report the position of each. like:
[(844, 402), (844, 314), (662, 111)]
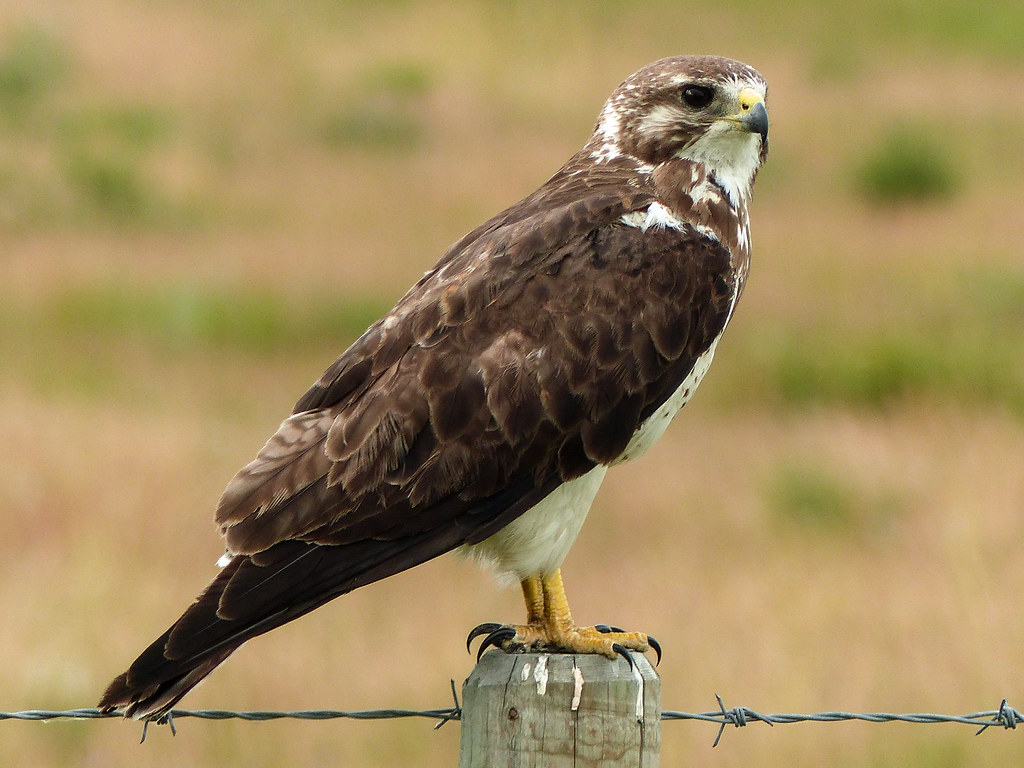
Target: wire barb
[(1008, 717), (736, 716), (456, 711)]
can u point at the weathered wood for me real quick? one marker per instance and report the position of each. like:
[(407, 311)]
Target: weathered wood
[(551, 710)]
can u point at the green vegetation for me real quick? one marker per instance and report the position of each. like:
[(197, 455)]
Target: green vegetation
[(110, 342), (382, 112), (188, 317), (33, 62), (111, 186), (77, 161), (107, 157), (962, 343), (131, 128), (907, 164), (842, 366), (810, 498)]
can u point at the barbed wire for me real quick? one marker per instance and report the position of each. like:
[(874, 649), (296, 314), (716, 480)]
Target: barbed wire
[(1005, 716)]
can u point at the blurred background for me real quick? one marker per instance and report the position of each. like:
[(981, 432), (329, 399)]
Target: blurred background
[(202, 204)]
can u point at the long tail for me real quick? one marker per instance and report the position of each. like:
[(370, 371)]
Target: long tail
[(247, 598), (255, 593), (155, 701), (252, 595)]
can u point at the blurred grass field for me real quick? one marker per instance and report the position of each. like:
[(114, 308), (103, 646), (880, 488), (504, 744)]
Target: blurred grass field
[(202, 204)]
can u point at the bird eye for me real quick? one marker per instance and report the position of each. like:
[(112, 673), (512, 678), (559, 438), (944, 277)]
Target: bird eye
[(698, 96)]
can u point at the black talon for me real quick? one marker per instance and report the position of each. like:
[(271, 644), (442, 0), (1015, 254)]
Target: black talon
[(657, 649), (606, 628), (621, 650), (496, 637), (481, 629)]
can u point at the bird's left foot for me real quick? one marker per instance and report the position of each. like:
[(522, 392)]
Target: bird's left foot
[(603, 639)]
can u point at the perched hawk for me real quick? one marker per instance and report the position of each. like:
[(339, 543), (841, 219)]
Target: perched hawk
[(555, 340)]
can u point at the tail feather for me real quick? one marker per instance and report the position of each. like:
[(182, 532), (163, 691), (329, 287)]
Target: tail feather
[(256, 593), (250, 596), (153, 701), (244, 600), (166, 670)]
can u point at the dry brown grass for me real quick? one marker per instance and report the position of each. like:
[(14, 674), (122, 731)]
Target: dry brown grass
[(907, 603)]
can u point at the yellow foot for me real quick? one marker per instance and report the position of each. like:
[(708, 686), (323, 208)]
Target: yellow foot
[(549, 627), (602, 639)]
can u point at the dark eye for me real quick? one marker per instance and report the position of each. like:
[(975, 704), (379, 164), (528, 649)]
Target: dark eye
[(698, 96)]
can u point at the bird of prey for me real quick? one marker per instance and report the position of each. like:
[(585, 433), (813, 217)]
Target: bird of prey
[(553, 341)]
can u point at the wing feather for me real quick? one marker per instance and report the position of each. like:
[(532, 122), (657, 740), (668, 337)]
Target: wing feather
[(498, 399), (530, 354)]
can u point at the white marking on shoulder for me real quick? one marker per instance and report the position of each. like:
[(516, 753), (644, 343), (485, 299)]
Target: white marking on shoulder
[(656, 216), (608, 126), (225, 560)]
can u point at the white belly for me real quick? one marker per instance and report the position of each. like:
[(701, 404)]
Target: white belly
[(538, 540)]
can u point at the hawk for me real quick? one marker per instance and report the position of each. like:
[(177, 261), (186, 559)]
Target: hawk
[(555, 340)]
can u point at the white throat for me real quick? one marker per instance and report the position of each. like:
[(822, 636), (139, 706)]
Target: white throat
[(732, 156)]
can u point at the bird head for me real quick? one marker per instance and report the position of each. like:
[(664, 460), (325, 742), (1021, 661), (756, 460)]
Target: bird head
[(706, 109)]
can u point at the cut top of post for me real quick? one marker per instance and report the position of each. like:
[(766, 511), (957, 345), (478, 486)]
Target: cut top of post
[(549, 710)]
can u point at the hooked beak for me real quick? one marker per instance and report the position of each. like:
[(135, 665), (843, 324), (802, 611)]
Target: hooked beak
[(753, 117)]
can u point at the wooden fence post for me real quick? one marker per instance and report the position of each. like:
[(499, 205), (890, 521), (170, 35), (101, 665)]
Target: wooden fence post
[(553, 710)]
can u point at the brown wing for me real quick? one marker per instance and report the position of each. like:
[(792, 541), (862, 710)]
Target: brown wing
[(530, 354)]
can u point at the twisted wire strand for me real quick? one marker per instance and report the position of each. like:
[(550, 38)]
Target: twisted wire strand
[(1005, 716)]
